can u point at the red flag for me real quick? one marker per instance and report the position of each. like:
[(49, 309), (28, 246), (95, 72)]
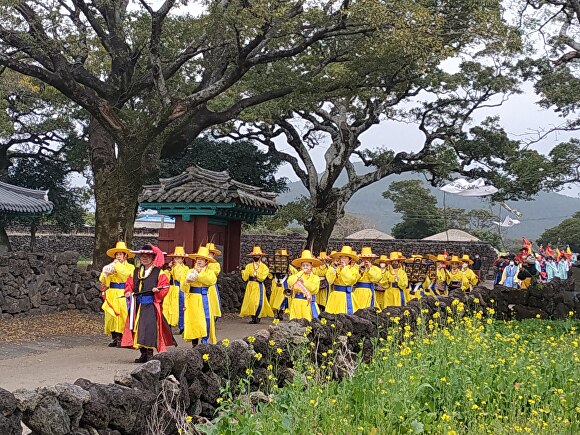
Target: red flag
[(549, 251)]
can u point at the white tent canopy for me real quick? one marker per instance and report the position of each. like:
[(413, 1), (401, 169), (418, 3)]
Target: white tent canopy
[(370, 234), (453, 235)]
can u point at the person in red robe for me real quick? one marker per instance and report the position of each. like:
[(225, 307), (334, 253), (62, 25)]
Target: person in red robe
[(146, 328)]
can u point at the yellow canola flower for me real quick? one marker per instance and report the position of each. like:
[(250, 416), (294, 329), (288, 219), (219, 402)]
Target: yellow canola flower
[(205, 356)]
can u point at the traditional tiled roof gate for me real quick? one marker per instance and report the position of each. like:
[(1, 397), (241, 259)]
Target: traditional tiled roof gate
[(208, 206)]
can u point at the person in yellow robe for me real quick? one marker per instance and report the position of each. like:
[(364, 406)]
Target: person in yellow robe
[(305, 285), (279, 300), (469, 274), (255, 303), (342, 278), (384, 282), (456, 279), (439, 284), (173, 303), (364, 289), (395, 295), (199, 322), (113, 278), (324, 290), (215, 303)]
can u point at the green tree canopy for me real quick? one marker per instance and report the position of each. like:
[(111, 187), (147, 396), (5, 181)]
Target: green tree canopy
[(420, 215), (567, 232)]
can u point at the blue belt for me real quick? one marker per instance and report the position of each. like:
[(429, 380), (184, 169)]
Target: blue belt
[(117, 285), (199, 290), (343, 288), (368, 285), (145, 299), (177, 283), (252, 278)]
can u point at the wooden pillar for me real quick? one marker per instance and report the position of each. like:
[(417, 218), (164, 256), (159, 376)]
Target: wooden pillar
[(233, 246), (200, 236)]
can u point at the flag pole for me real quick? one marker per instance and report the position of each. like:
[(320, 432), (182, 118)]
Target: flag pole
[(445, 217)]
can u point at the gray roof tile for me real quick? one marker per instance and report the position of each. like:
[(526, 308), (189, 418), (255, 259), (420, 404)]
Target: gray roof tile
[(14, 199), (201, 185)]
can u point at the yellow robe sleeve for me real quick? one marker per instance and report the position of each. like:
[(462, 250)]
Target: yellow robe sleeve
[(215, 268), (330, 275), (403, 279), (373, 274), (248, 271), (263, 272), (385, 280), (349, 275), (122, 272), (179, 272), (312, 282), (471, 277), (292, 270)]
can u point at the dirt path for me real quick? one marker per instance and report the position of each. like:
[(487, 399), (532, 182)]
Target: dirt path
[(53, 359)]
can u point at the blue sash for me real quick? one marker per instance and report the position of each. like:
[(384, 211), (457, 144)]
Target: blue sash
[(348, 290), (117, 285), (205, 301), (145, 299)]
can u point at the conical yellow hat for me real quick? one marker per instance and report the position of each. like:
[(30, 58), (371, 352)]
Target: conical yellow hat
[(179, 251), (465, 258), (455, 259), (396, 256), (120, 247), (256, 252), (306, 257), (202, 252), (211, 247), (367, 252), (322, 255), (346, 251), (381, 259)]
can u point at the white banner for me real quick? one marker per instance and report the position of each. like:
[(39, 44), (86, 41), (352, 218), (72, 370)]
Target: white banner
[(465, 188), (507, 222)]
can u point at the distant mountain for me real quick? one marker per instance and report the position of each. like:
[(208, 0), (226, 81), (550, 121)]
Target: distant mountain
[(545, 211)]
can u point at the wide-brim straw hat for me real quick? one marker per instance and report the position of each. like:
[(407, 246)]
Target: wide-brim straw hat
[(179, 251), (465, 258), (396, 256), (120, 247), (367, 252), (306, 257), (440, 258), (381, 259), (257, 252), (211, 247), (346, 251), (455, 259), (202, 252)]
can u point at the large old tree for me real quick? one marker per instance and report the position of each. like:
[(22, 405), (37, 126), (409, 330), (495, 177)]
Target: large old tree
[(152, 79), (399, 76)]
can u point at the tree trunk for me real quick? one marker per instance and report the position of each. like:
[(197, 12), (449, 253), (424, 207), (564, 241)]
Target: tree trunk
[(117, 183), (320, 228), (5, 247)]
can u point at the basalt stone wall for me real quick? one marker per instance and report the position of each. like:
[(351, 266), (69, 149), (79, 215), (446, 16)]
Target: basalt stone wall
[(45, 283), (193, 376), (83, 243), (295, 244)]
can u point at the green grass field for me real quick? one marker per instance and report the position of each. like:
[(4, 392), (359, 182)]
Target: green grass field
[(471, 375)]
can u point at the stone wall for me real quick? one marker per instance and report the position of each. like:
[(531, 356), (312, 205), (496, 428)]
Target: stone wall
[(45, 283), (194, 380), (50, 240)]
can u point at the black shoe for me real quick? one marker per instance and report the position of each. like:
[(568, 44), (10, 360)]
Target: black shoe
[(280, 315), (181, 332), (143, 357), (113, 344)]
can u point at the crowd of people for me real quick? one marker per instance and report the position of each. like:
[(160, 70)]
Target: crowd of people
[(142, 304), (528, 267)]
